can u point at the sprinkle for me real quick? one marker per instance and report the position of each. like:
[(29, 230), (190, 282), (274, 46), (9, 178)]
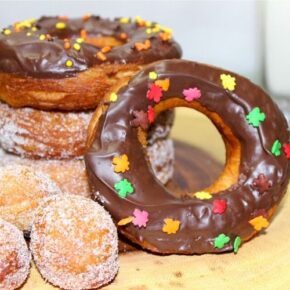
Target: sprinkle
[(171, 226), (151, 114), (86, 17), (106, 49), (121, 163), (60, 25), (125, 221), (166, 29), (66, 44), (286, 149), (153, 75), (149, 31), (202, 195), (63, 17), (140, 218), (34, 29), (124, 188), (221, 240), (259, 223), (83, 34), (219, 206), (154, 93), (261, 183), (77, 46), (255, 117), (163, 84), (140, 120), (276, 148), (69, 63), (191, 94), (80, 40), (124, 20), (6, 32), (28, 34), (123, 36), (42, 37), (237, 244), (113, 97), (140, 22), (143, 45), (142, 137), (101, 56), (165, 36), (228, 82)]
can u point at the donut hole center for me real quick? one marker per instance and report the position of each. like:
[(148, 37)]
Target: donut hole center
[(215, 146)]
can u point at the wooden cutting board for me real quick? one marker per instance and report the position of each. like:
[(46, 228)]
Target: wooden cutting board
[(263, 263)]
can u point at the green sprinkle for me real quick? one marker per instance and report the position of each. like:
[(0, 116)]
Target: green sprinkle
[(255, 117), (124, 188), (276, 148), (237, 244), (221, 240)]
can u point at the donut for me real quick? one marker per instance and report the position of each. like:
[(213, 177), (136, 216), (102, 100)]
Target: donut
[(234, 208), (14, 257), (74, 243), (22, 190), (43, 134), (70, 64)]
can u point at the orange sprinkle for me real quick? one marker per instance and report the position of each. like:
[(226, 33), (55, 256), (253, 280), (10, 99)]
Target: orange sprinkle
[(86, 17), (83, 34), (63, 17), (165, 36), (106, 49), (124, 36), (48, 37), (16, 28), (101, 56), (66, 44), (143, 45)]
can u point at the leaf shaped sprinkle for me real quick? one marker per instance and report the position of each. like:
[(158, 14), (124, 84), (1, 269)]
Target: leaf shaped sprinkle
[(171, 226), (121, 163), (221, 240), (124, 188), (259, 223), (255, 117), (140, 218), (228, 82)]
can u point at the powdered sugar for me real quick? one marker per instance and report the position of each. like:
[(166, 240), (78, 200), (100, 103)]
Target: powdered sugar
[(14, 257)]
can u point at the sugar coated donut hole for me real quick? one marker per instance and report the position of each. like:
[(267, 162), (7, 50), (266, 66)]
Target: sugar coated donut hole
[(74, 243), (21, 191), (14, 257)]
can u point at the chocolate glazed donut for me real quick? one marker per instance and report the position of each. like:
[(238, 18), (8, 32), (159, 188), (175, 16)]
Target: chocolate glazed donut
[(235, 207), (70, 64)]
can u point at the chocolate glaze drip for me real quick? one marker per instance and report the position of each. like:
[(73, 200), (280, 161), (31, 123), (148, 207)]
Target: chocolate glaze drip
[(199, 225), (30, 56)]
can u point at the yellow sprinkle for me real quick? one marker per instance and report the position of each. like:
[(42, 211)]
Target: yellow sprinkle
[(42, 37), (148, 23), (124, 20), (60, 25), (28, 34), (155, 29), (148, 30), (6, 32), (34, 29), (203, 195), (153, 75), (113, 97), (125, 221), (77, 47), (80, 40), (228, 82), (69, 63), (166, 29)]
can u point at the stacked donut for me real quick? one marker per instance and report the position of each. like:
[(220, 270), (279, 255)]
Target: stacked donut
[(55, 71)]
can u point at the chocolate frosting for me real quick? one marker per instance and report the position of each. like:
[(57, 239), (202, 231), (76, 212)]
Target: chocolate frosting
[(199, 225), (27, 55)]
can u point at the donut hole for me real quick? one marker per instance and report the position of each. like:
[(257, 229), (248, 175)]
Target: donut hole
[(226, 151)]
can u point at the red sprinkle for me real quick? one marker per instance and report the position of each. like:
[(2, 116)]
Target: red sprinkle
[(286, 148), (219, 206), (151, 114), (154, 93)]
